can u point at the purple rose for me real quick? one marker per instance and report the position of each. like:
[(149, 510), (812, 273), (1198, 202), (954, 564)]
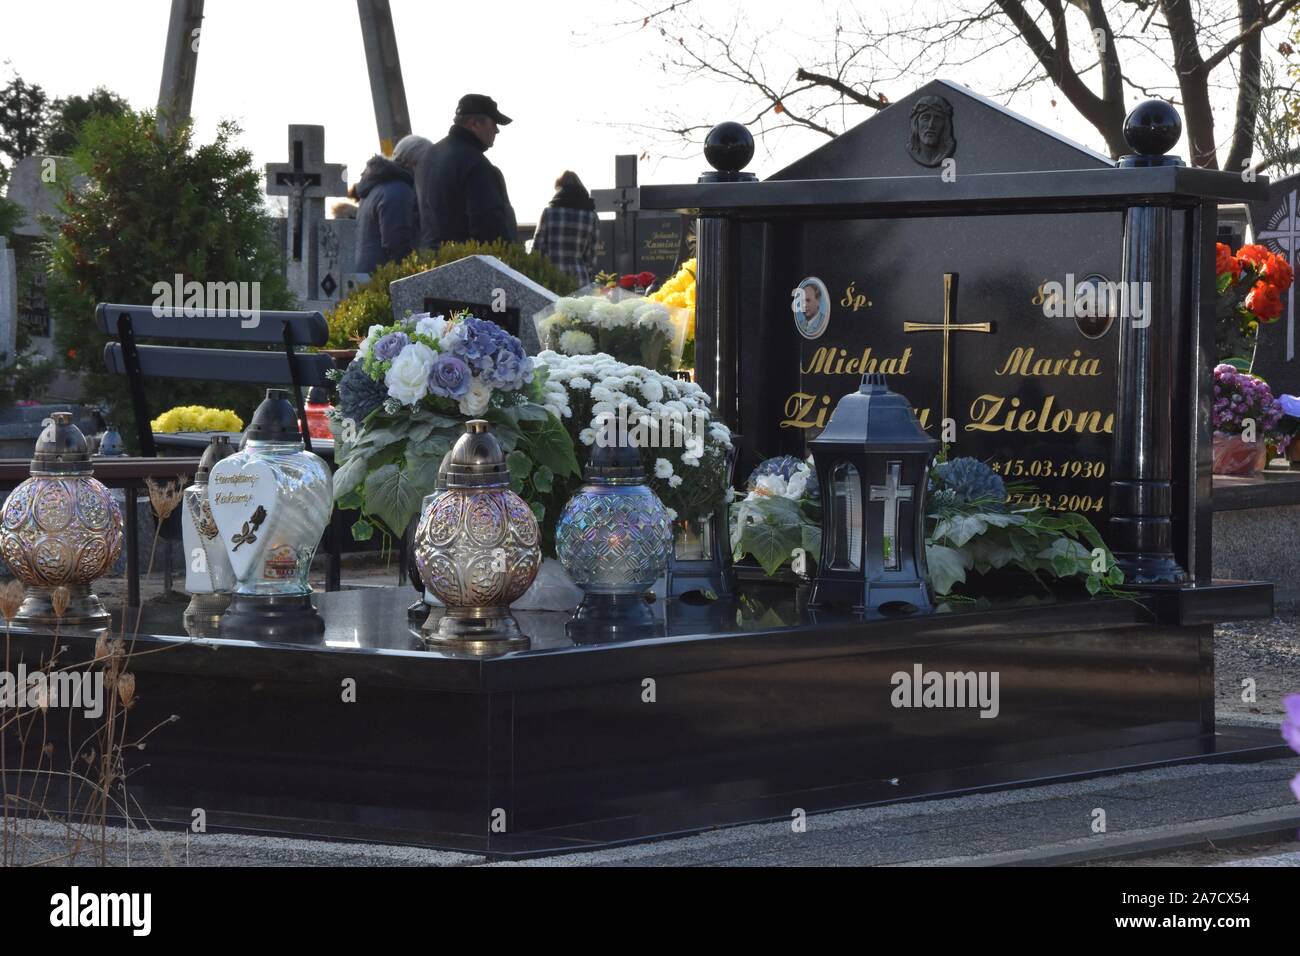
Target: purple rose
[(449, 377), (390, 346)]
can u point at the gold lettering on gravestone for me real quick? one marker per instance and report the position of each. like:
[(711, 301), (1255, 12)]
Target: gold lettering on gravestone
[(854, 300), (947, 327), (811, 410)]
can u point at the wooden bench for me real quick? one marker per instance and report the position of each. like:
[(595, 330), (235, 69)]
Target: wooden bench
[(284, 366)]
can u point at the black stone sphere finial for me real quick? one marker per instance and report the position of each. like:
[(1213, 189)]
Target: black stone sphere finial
[(1151, 130), (729, 147)]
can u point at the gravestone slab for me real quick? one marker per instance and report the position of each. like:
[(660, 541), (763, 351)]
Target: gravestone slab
[(336, 248), (1276, 224), (951, 308), (8, 303), (32, 186), (483, 284)]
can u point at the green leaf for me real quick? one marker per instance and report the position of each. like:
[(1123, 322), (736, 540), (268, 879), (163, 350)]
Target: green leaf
[(539, 510), (391, 498), (529, 412), (349, 477), (362, 530), (350, 502), (1093, 583), (543, 479), (520, 465), (771, 545), (947, 567), (551, 445)]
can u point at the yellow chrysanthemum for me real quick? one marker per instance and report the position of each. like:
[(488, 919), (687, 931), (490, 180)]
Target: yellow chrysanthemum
[(197, 418)]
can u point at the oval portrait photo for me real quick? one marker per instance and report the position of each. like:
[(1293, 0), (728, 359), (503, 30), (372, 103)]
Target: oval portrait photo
[(812, 307)]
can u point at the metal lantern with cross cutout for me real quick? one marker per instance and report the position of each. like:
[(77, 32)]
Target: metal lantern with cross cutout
[(874, 460)]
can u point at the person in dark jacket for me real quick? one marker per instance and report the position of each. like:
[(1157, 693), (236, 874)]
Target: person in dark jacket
[(462, 195), (388, 223), (566, 231)]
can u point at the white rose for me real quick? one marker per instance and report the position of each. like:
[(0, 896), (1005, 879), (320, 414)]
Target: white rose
[(770, 485), (363, 350), (663, 468), (476, 400), (797, 484), (434, 326), (408, 377)]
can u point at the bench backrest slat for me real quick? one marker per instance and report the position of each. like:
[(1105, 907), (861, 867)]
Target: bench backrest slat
[(309, 328), (221, 365)]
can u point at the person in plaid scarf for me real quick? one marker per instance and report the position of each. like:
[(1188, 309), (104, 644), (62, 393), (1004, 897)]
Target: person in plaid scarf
[(566, 232)]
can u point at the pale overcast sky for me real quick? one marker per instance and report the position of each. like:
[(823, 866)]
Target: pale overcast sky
[(562, 69)]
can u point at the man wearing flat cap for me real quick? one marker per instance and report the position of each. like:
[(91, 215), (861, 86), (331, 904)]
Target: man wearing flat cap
[(460, 194)]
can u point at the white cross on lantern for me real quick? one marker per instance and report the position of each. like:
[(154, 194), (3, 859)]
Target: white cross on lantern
[(892, 494)]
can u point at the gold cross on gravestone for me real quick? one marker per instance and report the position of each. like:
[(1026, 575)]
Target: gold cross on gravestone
[(947, 328)]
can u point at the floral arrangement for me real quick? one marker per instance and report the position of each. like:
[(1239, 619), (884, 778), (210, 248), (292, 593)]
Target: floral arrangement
[(197, 418), (403, 402), (971, 529), (779, 517), (637, 282), (684, 451), (629, 327), (1243, 402), (1250, 286), (679, 293)]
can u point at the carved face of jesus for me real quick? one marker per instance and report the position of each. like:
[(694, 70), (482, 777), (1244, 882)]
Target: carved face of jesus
[(930, 126)]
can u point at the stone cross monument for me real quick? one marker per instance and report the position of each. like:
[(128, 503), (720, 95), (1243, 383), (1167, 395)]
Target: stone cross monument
[(307, 180)]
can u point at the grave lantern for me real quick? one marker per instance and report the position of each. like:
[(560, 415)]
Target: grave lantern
[(208, 576), (271, 502), (613, 538), (477, 547), (873, 460), (61, 529)]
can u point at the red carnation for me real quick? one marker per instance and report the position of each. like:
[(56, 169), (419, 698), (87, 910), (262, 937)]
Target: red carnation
[(1225, 261), (1256, 256), (645, 279), (1278, 273), (628, 281), (1264, 301)]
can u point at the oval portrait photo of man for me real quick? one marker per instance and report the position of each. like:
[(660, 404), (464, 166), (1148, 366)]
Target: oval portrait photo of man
[(812, 307)]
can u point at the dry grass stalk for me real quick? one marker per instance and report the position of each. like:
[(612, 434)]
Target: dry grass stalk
[(11, 599), (59, 599)]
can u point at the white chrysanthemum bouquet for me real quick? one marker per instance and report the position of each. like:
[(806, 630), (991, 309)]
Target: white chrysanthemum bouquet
[(602, 400), (628, 327)]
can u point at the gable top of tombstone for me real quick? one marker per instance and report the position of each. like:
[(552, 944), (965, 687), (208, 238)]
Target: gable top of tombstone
[(980, 135), (306, 173), (31, 189), (475, 280)]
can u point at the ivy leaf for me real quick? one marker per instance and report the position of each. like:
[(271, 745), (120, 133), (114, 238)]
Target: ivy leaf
[(391, 498), (1093, 583), (349, 477), (350, 502), (539, 510), (363, 530), (771, 545), (552, 446), (947, 567), (543, 479), (529, 412), (520, 465)]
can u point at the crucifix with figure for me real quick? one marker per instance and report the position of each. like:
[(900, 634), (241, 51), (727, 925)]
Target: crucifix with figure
[(307, 180), (947, 327)]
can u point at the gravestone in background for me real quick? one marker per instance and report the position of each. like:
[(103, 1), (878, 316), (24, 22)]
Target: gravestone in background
[(336, 256), (8, 303), (483, 284), (1032, 395), (1276, 224)]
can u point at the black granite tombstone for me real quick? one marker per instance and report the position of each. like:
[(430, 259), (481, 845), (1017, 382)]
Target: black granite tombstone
[(987, 284), (1275, 222)]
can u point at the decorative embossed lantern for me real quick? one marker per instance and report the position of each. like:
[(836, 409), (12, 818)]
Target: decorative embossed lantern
[(61, 528), (872, 459), (208, 575), (614, 537), (271, 502), (477, 548)]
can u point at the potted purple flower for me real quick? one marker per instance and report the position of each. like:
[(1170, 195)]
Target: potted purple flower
[(1245, 419)]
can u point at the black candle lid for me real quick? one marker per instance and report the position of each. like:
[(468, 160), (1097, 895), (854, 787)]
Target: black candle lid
[(219, 447), (62, 448), (275, 419), (477, 460), (614, 462)]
